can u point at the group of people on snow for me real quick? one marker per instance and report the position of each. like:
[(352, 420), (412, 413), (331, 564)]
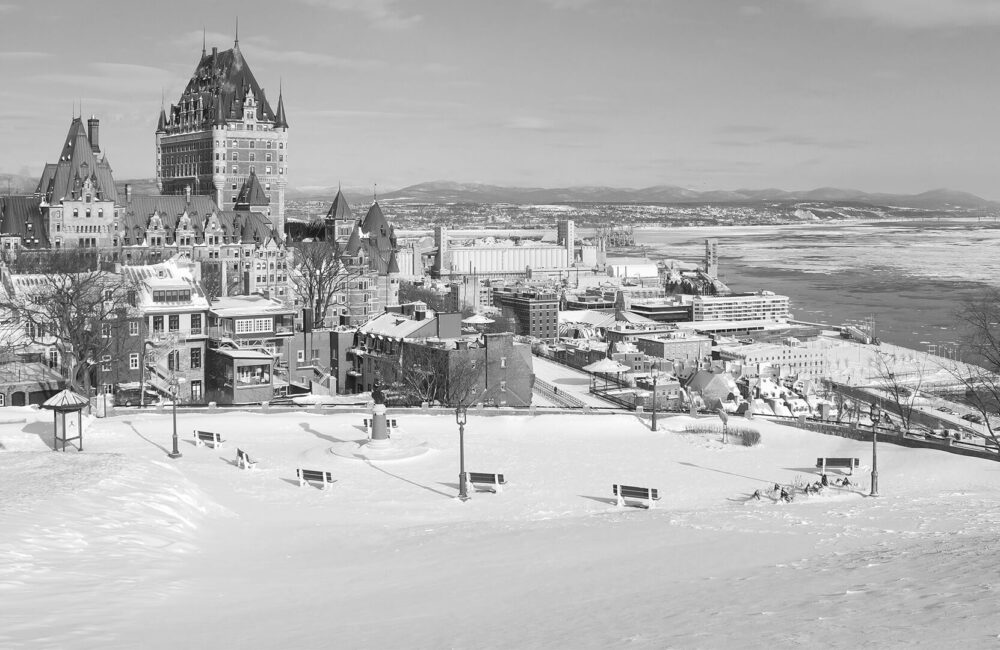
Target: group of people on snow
[(779, 492)]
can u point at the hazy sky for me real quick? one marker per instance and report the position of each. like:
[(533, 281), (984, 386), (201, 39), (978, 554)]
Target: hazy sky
[(879, 95)]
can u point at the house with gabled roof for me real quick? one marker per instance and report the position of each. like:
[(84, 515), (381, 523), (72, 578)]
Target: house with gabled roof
[(172, 331), (78, 191)]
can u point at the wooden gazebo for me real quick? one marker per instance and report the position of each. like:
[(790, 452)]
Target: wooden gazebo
[(63, 402)]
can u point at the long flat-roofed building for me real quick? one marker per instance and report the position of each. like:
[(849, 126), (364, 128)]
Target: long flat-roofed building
[(764, 305)]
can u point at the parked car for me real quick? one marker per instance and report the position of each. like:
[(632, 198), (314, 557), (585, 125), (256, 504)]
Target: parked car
[(945, 409), (129, 396), (973, 417)]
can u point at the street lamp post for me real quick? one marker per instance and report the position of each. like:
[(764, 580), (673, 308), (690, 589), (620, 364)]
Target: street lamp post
[(461, 418), (653, 425), (176, 386), (876, 415)]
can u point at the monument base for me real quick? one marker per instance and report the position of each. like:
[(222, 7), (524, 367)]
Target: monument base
[(380, 450)]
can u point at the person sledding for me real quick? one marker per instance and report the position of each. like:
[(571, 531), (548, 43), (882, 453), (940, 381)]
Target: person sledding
[(785, 496)]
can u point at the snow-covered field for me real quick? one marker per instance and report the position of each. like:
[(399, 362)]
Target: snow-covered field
[(121, 547)]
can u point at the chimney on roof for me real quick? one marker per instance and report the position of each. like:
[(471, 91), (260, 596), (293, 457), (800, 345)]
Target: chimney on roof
[(94, 133), (187, 194), (128, 192)]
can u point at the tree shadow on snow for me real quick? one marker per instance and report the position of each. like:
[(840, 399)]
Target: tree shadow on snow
[(721, 471), (406, 480), (308, 429), (154, 443)]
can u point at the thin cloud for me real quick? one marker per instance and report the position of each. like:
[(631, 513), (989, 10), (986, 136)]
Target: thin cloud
[(7, 8), (382, 14), (915, 14), (808, 141), (788, 140), (568, 4), (23, 56), (337, 112), (529, 123), (261, 47), (746, 129)]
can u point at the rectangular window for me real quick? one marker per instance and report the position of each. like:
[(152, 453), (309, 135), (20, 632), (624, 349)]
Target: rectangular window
[(133, 328), (195, 358), (174, 322), (173, 360), (133, 361), (106, 330), (196, 323), (300, 356), (254, 325), (157, 324)]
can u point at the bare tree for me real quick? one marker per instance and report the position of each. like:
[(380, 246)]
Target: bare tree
[(319, 274), (901, 383), (979, 372), (78, 311), (217, 283), (427, 373)]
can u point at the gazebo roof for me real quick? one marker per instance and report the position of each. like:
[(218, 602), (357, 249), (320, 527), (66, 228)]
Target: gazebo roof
[(66, 401)]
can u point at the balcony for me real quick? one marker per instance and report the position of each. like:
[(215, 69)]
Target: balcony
[(194, 332)]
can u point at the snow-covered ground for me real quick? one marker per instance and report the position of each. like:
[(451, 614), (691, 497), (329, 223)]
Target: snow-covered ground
[(121, 547)]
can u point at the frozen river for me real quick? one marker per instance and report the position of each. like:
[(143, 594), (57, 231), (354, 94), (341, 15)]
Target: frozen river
[(913, 276)]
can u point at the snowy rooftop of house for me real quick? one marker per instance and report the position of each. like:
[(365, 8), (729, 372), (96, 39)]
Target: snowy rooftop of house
[(392, 325), (232, 306), (169, 274)]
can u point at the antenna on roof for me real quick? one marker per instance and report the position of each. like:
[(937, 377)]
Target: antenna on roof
[(236, 43), (375, 193), (203, 40)]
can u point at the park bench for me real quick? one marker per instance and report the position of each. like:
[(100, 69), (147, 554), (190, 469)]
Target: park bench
[(496, 481), (631, 492), (314, 475), (207, 437), (840, 463), (390, 424), (243, 460)]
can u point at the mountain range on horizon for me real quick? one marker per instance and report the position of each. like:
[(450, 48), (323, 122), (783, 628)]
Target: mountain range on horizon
[(454, 192)]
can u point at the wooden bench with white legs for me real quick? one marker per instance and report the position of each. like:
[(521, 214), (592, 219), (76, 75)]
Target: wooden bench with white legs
[(649, 495), (207, 438), (243, 460), (838, 463), (314, 476), (495, 481)]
